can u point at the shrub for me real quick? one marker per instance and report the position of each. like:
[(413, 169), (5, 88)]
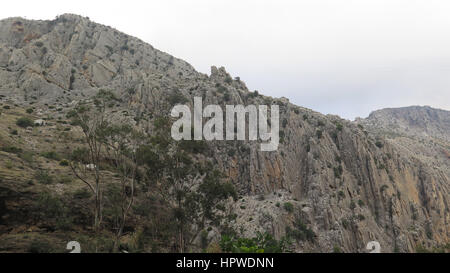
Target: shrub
[(338, 171), (11, 150), (228, 80), (65, 179), (300, 232), (176, 98), (262, 243), (379, 144), (27, 156), (288, 207), (82, 194), (319, 134), (24, 122), (64, 163), (51, 155), (30, 110), (337, 249), (39, 247), (43, 177), (194, 146)]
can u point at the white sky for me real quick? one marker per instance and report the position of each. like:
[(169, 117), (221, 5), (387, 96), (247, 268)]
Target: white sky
[(345, 57)]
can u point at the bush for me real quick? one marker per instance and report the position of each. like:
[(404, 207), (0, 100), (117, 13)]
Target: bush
[(379, 144), (338, 171), (43, 177), (51, 155), (39, 247), (319, 134), (24, 122), (337, 249), (288, 207), (64, 163), (11, 150), (262, 243), (29, 110), (82, 194), (300, 232), (177, 98)]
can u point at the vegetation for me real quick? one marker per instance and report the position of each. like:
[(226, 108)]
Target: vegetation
[(262, 243), (24, 122), (288, 207), (300, 232)]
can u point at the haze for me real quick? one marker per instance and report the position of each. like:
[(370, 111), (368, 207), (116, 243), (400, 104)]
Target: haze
[(344, 57)]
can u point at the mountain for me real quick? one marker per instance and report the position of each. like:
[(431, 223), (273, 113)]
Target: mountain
[(333, 185)]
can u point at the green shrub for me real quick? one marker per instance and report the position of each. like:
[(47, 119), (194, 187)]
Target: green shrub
[(82, 194), (24, 122), (319, 134), (262, 243), (337, 249), (37, 246), (29, 110), (300, 232), (64, 163), (177, 98), (338, 171), (51, 155), (288, 207), (11, 149), (26, 156), (43, 177)]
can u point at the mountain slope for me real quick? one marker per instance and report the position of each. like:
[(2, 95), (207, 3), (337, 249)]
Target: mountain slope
[(331, 185)]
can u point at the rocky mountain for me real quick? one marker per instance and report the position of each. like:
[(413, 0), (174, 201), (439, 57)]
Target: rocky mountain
[(333, 185)]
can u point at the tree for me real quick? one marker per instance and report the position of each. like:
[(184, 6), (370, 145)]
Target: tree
[(192, 190), (122, 144), (86, 161)]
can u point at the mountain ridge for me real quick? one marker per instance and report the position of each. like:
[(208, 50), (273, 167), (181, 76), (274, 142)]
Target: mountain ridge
[(333, 184)]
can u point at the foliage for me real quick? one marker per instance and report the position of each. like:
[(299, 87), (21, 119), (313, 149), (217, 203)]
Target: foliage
[(300, 232), (262, 243), (288, 207), (24, 122)]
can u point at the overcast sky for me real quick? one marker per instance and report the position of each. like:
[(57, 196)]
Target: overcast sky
[(345, 57)]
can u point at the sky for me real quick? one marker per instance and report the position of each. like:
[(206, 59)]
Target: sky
[(343, 57)]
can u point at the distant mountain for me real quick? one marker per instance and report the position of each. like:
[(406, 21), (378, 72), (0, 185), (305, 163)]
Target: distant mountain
[(333, 185), (413, 121)]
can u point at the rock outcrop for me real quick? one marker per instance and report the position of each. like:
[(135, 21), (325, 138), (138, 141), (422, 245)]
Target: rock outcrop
[(347, 183)]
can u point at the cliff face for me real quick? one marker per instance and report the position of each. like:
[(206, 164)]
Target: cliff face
[(347, 183)]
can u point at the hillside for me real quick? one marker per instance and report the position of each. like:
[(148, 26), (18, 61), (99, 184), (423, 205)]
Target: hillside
[(333, 185)]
